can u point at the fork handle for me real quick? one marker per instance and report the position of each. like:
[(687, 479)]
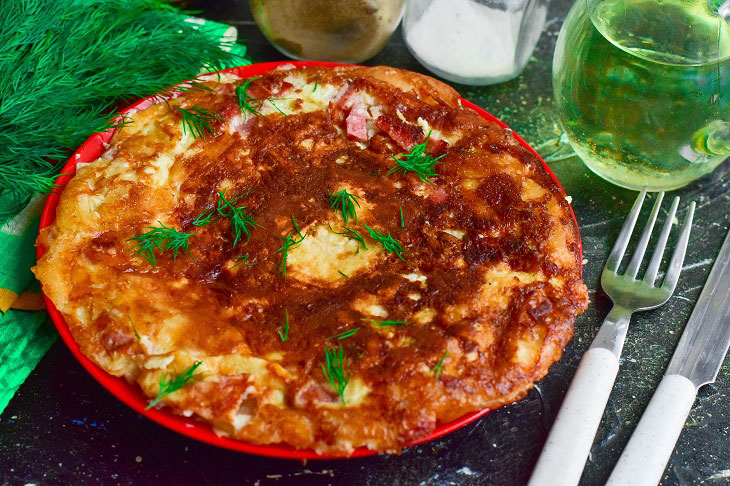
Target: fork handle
[(569, 442), (645, 457)]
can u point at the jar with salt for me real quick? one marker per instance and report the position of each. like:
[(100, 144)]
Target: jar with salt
[(476, 42)]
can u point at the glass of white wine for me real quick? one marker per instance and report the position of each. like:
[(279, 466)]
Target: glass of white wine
[(642, 89)]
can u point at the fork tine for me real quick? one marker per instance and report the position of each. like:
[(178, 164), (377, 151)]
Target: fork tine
[(638, 255), (656, 257), (675, 265), (619, 248)]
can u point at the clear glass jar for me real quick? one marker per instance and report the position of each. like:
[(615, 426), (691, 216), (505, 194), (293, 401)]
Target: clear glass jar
[(328, 30), (475, 42)]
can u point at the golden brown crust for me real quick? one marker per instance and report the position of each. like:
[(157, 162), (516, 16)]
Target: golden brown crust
[(489, 285)]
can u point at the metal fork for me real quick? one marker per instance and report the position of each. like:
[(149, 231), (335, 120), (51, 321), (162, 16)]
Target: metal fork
[(565, 452)]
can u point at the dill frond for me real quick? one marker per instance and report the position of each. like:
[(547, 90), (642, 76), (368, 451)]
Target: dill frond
[(196, 120), (284, 331), (243, 260), (244, 100), (290, 242), (160, 238), (240, 221), (438, 368), (402, 219), (334, 370), (344, 335), (343, 274), (388, 242), (296, 226), (417, 161), (344, 202), (76, 61), (168, 386), (351, 234), (204, 218), (377, 323)]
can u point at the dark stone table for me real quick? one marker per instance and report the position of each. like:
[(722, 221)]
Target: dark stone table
[(62, 427)]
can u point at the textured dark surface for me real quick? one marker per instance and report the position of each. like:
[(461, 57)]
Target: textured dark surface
[(62, 427)]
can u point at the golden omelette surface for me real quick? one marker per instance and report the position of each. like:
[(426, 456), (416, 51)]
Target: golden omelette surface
[(484, 297)]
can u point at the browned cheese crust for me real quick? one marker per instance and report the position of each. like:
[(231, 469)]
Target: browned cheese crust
[(489, 285)]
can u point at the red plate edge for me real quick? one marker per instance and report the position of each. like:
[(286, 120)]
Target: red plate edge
[(132, 395)]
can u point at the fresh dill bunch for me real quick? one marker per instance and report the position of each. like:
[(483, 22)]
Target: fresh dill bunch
[(240, 221), (168, 386), (334, 370), (417, 161), (196, 120), (160, 238), (344, 202), (345, 334), (66, 64), (284, 331), (388, 242), (351, 234), (438, 368), (386, 323)]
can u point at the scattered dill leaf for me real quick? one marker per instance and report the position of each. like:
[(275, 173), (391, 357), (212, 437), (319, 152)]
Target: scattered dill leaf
[(168, 386), (352, 234), (344, 334), (417, 161), (388, 242), (439, 367), (284, 331), (242, 260), (204, 218), (386, 323), (296, 226), (244, 100), (136, 334), (316, 82), (196, 120), (334, 370), (290, 242), (343, 274), (344, 202), (162, 238), (240, 221), (402, 219)]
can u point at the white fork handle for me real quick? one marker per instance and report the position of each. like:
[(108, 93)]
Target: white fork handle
[(644, 459), (564, 454)]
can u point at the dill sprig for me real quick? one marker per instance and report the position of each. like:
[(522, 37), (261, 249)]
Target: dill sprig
[(343, 274), (243, 260), (290, 242), (388, 242), (246, 102), (204, 218), (241, 223), (402, 219), (162, 238), (438, 368), (385, 323), (168, 386), (296, 226), (344, 202), (334, 370), (136, 334), (351, 234), (76, 61), (196, 120), (417, 161), (284, 331), (344, 335)]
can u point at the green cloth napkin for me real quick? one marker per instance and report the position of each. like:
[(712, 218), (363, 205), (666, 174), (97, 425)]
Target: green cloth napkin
[(25, 336)]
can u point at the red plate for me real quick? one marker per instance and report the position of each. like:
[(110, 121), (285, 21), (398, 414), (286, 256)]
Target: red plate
[(131, 394)]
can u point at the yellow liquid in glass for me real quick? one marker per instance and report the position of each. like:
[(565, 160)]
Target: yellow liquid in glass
[(643, 89)]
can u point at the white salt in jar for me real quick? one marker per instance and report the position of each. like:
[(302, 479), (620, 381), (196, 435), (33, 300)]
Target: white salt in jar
[(475, 42)]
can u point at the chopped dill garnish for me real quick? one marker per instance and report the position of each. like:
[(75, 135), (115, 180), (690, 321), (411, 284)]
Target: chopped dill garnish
[(240, 221), (439, 367), (162, 238), (334, 370), (345, 334), (296, 226), (246, 103), (353, 235), (388, 242), (284, 331), (344, 202), (168, 386), (402, 219), (417, 161), (197, 120), (343, 274), (204, 218), (136, 334), (377, 323), (290, 242), (316, 83), (242, 260)]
